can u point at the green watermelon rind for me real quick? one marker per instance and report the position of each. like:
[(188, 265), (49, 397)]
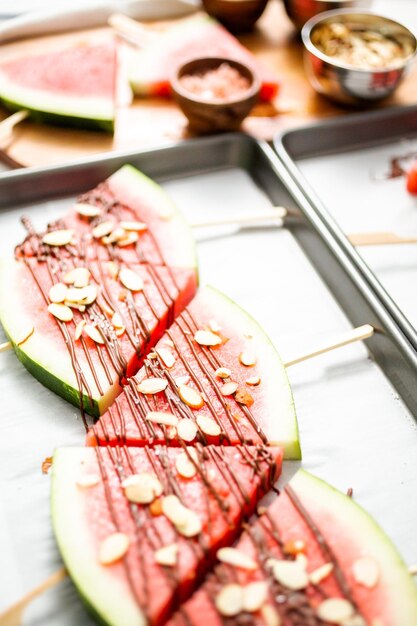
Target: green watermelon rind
[(376, 542), (291, 441), (71, 532)]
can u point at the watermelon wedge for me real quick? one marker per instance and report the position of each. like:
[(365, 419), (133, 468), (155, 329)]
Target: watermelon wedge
[(137, 528), (120, 292), (214, 377), (314, 557), (71, 87), (151, 67)]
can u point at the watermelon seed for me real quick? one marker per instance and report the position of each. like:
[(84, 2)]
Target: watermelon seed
[(167, 555), (248, 359), (130, 279), (208, 426), (58, 237), (87, 210), (159, 417), (152, 385), (207, 338), (61, 312), (113, 548), (166, 356), (229, 389), (79, 329), (222, 372), (88, 480), (190, 396), (291, 574), (229, 601), (184, 465), (94, 333), (235, 557), (187, 430), (57, 293), (366, 571), (142, 488), (134, 226), (270, 616), (254, 596), (320, 573), (253, 381), (103, 229), (335, 610)]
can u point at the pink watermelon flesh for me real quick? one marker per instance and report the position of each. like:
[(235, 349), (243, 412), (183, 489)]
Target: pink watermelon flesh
[(81, 71), (308, 511), (227, 485), (240, 417), (197, 37)]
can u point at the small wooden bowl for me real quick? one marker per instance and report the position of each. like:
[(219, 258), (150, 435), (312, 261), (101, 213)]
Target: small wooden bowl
[(237, 15), (209, 116)]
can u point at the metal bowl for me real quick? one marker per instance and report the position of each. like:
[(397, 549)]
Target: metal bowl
[(300, 11), (346, 83)]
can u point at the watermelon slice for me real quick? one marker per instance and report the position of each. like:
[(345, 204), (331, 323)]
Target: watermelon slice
[(160, 260), (72, 87), (233, 392), (315, 557), (187, 39), (136, 551)]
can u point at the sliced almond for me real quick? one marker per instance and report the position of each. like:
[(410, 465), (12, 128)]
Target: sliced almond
[(320, 573), (270, 616), (58, 237), (103, 229), (106, 308), (229, 601), (335, 610), (79, 277), (167, 555), (229, 389), (223, 372), (88, 480), (113, 548), (152, 385), (113, 269), (116, 235), (290, 574), (254, 596), (184, 463), (174, 510), (94, 333), (61, 312), (79, 329), (142, 488), (294, 546), (130, 279), (247, 358), (182, 380), (171, 432), (168, 343), (116, 320), (357, 620), (302, 560), (214, 326), (207, 338), (192, 525), (57, 293), (90, 294), (135, 226), (155, 508), (253, 381), (130, 239), (235, 557), (187, 429), (87, 210), (120, 331), (166, 356), (208, 425), (366, 571), (190, 396), (159, 417), (244, 397), (74, 305)]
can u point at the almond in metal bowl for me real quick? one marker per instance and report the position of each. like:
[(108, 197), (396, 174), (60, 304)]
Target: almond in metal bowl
[(215, 93)]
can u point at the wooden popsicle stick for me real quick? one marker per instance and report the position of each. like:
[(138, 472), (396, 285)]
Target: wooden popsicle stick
[(274, 213), (13, 615), (379, 239), (4, 347), (356, 334), (131, 30)]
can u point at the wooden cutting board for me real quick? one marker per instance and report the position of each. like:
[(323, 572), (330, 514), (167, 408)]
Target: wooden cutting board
[(152, 122)]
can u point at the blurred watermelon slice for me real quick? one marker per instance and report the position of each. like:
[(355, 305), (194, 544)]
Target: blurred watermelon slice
[(71, 87), (198, 36)]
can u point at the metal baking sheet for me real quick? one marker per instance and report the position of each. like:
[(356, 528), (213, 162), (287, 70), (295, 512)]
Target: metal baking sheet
[(356, 429), (338, 164)]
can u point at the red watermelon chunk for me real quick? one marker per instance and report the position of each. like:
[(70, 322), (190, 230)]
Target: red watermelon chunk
[(75, 86), (314, 557), (231, 393), (127, 579), (187, 39)]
